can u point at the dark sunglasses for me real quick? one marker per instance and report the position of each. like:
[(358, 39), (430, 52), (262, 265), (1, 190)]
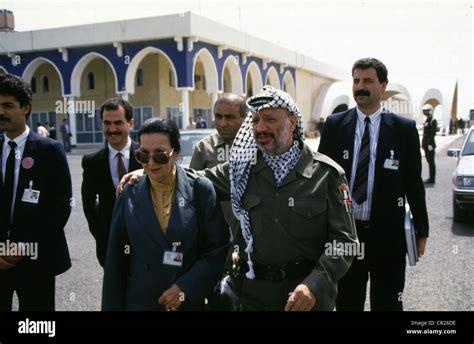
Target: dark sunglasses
[(161, 158)]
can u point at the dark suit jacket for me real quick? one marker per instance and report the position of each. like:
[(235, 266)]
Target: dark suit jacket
[(98, 195), (387, 213), (135, 281), (430, 128), (44, 222)]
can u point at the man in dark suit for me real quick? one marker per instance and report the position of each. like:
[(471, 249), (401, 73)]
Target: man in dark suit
[(103, 170), (66, 134), (34, 205), (380, 152), (201, 123), (428, 143)]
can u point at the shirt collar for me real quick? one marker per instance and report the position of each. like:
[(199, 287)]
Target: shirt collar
[(19, 140), (373, 116), (220, 140), (125, 150)]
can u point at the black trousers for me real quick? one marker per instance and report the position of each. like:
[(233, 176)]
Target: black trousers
[(387, 280), (430, 158), (35, 291), (262, 295)]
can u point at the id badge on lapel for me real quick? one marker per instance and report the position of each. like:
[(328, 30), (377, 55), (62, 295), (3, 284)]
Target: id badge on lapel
[(391, 163), (173, 258), (30, 195)]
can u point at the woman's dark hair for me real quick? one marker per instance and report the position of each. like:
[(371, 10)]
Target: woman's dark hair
[(370, 62), (14, 86), (158, 125)]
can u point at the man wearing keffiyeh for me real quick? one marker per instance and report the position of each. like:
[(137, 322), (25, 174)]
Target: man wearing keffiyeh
[(292, 204)]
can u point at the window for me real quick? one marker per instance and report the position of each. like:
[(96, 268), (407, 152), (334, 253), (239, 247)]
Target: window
[(88, 127), (140, 115), (45, 84), (199, 82), (33, 84), (90, 81), (139, 77), (173, 114), (171, 78), (40, 117), (206, 115)]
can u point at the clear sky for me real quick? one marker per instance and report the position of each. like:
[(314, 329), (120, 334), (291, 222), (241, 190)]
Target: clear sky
[(419, 41)]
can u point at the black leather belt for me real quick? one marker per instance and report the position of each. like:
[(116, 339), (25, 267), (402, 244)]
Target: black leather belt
[(362, 224), (290, 271)]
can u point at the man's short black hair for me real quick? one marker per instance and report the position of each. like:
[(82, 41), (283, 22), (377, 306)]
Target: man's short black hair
[(234, 99), (114, 103), (14, 86), (370, 62), (158, 125)]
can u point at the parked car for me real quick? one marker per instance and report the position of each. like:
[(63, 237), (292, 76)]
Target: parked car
[(463, 178), (188, 140)]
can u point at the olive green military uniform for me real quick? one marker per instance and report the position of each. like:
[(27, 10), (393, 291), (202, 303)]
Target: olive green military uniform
[(209, 152), (294, 222)]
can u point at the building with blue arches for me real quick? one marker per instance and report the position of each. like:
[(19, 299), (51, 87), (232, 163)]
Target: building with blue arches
[(174, 66)]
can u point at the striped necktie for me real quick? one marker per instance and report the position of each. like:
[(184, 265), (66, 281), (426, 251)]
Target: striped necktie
[(359, 190)]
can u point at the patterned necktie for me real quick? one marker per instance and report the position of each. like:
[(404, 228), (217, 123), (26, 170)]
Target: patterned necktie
[(8, 184), (120, 166), (359, 190)]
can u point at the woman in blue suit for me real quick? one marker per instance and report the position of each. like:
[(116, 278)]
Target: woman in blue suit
[(168, 238)]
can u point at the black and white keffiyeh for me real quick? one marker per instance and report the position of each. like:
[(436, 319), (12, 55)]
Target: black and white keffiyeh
[(281, 165), (243, 154)]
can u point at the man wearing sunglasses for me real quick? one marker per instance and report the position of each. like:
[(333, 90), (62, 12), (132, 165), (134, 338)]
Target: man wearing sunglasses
[(298, 233), (104, 169), (172, 224)]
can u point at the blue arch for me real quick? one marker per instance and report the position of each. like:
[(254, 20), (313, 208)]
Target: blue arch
[(182, 61)]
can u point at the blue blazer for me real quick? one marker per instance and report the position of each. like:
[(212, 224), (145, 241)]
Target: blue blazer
[(135, 281), (43, 222), (387, 215)]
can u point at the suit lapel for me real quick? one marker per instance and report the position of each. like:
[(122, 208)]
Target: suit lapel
[(387, 141), (144, 213), (105, 166), (133, 163), (180, 214), (347, 137)]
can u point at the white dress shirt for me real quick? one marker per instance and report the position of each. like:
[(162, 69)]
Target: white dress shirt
[(362, 211), (19, 149), (113, 160)]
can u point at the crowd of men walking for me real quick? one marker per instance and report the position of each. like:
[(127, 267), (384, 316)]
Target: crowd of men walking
[(282, 222)]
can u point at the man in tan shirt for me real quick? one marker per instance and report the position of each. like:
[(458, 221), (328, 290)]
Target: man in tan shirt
[(230, 111)]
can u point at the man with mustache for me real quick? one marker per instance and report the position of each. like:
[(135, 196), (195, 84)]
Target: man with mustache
[(292, 204), (103, 170), (380, 152), (35, 204)]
